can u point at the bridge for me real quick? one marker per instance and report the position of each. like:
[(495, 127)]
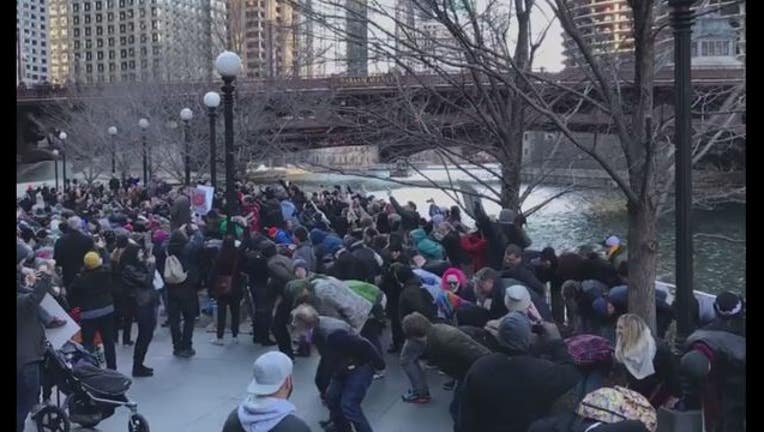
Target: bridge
[(340, 127)]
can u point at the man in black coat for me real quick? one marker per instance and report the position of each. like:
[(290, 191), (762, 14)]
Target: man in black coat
[(515, 268), (507, 230), (69, 250), (506, 394)]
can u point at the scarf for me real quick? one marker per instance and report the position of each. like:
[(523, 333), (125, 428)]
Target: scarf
[(639, 359)]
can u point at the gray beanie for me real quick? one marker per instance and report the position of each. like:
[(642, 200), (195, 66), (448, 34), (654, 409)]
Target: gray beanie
[(515, 333)]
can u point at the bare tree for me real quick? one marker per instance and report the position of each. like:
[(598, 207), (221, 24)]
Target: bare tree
[(485, 64)]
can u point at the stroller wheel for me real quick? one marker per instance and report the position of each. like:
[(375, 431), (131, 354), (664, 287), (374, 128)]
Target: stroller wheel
[(138, 423), (52, 419)]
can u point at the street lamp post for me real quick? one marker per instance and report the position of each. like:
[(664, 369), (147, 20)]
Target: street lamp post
[(62, 136), (55, 166), (144, 124), (228, 65), (186, 115), (682, 18), (113, 134), (212, 101)]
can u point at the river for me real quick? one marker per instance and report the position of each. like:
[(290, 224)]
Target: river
[(582, 217)]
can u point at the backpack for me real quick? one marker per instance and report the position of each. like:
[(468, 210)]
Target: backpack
[(590, 350), (173, 271), (615, 404)]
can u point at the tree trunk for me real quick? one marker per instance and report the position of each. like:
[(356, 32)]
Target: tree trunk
[(511, 162), (643, 253)]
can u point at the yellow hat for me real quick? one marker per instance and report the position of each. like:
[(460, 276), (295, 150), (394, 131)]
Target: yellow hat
[(92, 260)]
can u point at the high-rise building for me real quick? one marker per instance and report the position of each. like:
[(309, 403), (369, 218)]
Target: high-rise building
[(144, 40), (264, 33), (357, 29), (418, 32), (607, 26), (32, 50), (58, 40)]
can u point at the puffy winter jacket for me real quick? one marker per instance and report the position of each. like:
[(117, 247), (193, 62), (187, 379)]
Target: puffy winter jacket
[(430, 249), (335, 298)]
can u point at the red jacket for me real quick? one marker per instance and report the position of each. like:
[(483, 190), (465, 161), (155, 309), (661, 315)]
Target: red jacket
[(475, 246)]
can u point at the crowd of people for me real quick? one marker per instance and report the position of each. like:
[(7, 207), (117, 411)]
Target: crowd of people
[(526, 336)]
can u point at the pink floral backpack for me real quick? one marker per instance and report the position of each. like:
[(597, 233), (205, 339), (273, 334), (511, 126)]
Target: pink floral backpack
[(615, 404)]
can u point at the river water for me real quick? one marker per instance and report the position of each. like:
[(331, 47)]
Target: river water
[(582, 217)]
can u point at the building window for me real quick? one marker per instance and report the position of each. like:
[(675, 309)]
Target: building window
[(123, 53), (122, 16), (112, 67), (76, 32), (87, 6), (75, 7), (122, 28), (110, 16), (87, 19), (99, 31), (99, 43), (111, 55), (131, 39), (100, 67), (88, 56), (87, 31), (99, 18), (111, 41), (99, 55), (123, 40), (110, 29), (88, 44), (132, 64), (76, 20), (123, 66), (89, 68)]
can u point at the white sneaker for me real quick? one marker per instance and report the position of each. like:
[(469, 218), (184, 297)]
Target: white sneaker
[(217, 341), (235, 340), (379, 375)]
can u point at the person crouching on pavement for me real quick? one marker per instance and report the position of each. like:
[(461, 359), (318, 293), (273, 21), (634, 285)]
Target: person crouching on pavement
[(267, 408), (353, 374)]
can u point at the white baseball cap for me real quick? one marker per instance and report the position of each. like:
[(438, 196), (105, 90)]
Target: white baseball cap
[(270, 371), (517, 298)]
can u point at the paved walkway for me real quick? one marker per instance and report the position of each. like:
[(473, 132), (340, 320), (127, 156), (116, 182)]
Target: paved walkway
[(196, 395)]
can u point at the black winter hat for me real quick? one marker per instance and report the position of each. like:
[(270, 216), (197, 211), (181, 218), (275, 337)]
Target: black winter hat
[(728, 304)]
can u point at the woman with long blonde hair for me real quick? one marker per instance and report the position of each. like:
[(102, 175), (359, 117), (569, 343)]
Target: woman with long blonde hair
[(650, 365)]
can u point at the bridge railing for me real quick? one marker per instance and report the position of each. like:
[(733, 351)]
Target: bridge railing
[(664, 77)]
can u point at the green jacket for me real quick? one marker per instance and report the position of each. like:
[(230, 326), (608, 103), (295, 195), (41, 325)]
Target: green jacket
[(429, 248)]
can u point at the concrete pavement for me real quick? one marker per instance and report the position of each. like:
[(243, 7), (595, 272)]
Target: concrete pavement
[(197, 394)]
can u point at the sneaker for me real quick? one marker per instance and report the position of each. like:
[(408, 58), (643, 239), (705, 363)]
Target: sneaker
[(186, 353), (413, 397), (393, 349), (235, 340), (128, 343), (142, 371), (177, 353), (379, 375), (217, 341)]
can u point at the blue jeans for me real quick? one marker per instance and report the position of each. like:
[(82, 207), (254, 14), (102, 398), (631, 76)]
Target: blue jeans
[(27, 392), (344, 397), (412, 351)]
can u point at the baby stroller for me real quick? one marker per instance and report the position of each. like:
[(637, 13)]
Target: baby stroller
[(92, 394)]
